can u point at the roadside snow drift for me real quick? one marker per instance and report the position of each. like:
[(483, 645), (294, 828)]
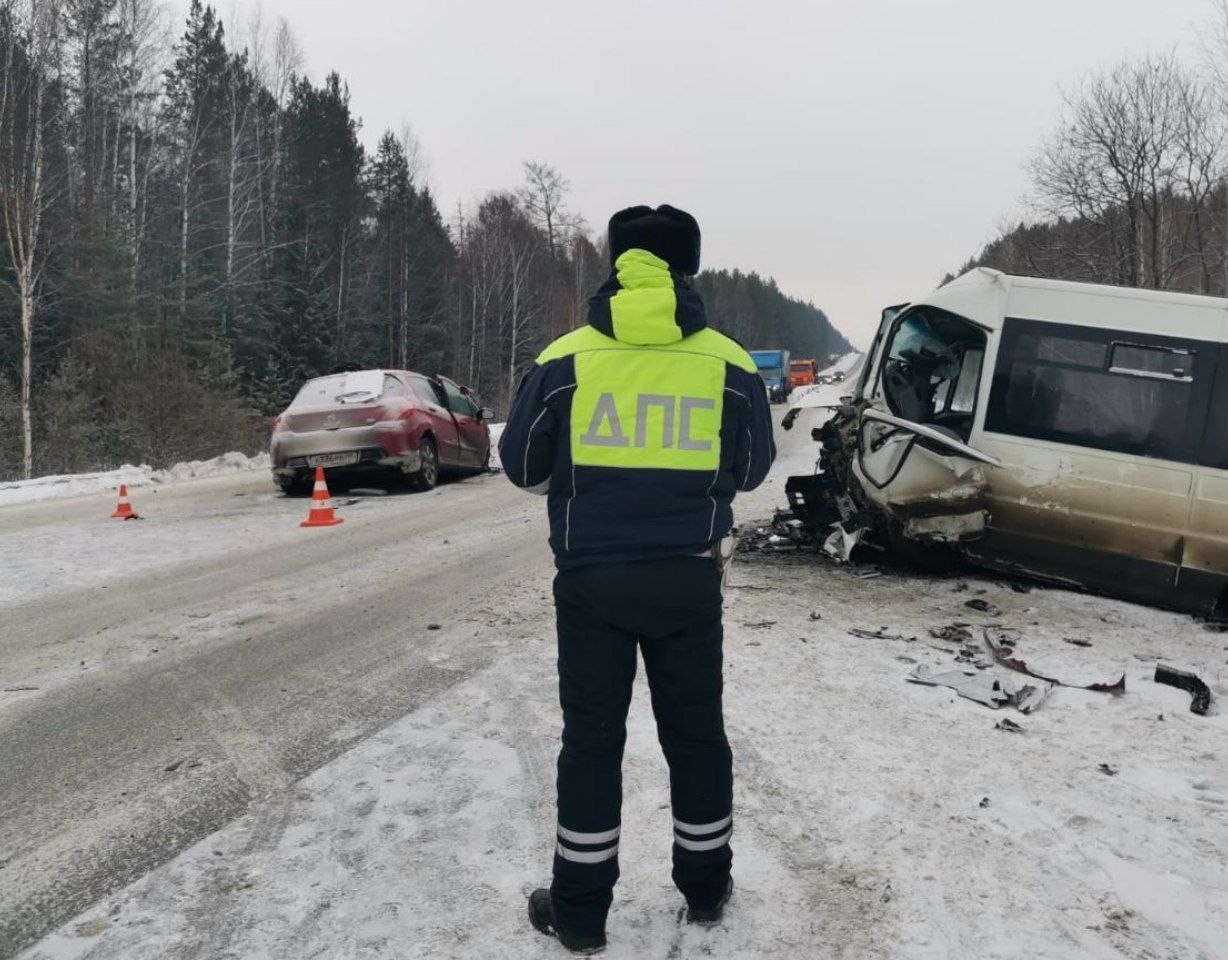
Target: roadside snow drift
[(84, 484)]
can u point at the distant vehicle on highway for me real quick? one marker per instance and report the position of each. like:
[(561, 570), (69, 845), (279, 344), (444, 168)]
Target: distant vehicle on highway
[(774, 369), (380, 421), (802, 373)]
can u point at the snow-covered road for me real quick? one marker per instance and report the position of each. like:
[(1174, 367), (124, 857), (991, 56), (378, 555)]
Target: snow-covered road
[(875, 818), (159, 678)]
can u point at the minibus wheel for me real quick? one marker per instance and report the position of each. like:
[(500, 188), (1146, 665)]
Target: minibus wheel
[(935, 558)]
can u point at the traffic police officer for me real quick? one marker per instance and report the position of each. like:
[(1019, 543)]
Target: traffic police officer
[(641, 427)]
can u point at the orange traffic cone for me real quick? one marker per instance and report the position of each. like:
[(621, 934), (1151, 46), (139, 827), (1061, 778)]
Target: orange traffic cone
[(321, 514), (124, 511)]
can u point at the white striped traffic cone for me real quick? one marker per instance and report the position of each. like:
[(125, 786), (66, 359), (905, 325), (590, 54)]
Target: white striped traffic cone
[(124, 511), (321, 514)]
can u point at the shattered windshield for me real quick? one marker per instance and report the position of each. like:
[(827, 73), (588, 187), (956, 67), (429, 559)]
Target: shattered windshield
[(932, 373), (917, 339), (360, 387)]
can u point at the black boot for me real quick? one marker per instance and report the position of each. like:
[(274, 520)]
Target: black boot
[(714, 914), (541, 915)]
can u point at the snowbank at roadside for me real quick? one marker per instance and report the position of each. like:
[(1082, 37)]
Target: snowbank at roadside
[(60, 486), (84, 484)]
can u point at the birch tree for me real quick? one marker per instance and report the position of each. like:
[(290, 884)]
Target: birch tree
[(145, 35), (195, 97), (1113, 162), (1200, 139), (1214, 39), (276, 59), (30, 34), (544, 197)]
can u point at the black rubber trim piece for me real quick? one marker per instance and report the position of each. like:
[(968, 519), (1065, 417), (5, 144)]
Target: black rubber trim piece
[(1182, 680)]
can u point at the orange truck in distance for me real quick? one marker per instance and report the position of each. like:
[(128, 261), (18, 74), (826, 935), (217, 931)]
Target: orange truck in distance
[(802, 373)]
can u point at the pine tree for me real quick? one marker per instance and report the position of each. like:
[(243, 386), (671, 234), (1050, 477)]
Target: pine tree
[(194, 119), (319, 219)]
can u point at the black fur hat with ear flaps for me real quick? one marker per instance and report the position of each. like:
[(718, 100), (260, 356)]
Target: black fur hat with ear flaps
[(670, 233)]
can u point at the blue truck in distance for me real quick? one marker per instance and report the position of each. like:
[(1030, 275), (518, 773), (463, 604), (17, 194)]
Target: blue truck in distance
[(774, 369)]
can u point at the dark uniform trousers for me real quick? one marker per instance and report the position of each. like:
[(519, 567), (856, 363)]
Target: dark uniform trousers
[(671, 610)]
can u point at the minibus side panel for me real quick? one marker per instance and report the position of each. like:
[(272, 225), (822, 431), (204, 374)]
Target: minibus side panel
[(1205, 563), (1103, 523), (1098, 431)]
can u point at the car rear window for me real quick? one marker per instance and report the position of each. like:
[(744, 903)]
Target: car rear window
[(360, 387)]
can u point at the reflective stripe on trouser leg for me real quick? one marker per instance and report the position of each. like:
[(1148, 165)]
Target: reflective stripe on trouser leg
[(702, 860), (578, 847), (703, 837)]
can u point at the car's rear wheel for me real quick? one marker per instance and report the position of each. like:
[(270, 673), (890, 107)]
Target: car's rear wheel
[(299, 485), (428, 473)]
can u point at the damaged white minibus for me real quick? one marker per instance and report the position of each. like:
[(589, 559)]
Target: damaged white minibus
[(1072, 432)]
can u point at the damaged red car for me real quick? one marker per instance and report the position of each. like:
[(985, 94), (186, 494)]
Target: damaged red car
[(383, 423)]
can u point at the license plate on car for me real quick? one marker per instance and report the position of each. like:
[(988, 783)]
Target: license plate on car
[(333, 459)]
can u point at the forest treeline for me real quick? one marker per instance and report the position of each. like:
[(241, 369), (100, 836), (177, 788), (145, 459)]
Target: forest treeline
[(1131, 186), (753, 310), (192, 227)]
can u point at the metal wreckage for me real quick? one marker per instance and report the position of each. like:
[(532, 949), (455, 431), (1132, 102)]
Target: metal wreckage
[(1070, 433)]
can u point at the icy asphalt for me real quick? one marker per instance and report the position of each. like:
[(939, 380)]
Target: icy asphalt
[(269, 715), (162, 677)]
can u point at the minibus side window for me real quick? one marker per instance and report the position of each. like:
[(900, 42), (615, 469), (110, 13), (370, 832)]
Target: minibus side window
[(964, 390), (1161, 363), (1105, 389), (1214, 451)]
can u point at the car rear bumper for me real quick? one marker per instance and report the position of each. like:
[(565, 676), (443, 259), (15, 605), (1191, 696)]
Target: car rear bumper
[(377, 445)]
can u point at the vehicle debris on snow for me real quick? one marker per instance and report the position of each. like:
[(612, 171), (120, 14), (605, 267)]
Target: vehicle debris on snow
[(974, 678), (953, 633), (988, 689), (785, 533), (879, 634), (1003, 653), (1189, 682)]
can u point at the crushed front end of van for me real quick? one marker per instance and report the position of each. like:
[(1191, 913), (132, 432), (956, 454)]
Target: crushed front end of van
[(1061, 431), (923, 528)]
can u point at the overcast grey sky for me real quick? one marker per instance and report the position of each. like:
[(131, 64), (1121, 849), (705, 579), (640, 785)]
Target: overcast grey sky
[(854, 150)]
